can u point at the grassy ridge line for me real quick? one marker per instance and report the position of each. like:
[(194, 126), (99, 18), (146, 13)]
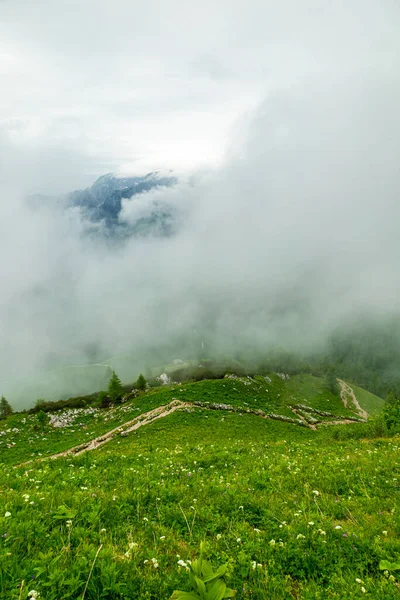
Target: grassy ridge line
[(272, 395), (165, 410)]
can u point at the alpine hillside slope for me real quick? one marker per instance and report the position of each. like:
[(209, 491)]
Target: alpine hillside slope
[(280, 477)]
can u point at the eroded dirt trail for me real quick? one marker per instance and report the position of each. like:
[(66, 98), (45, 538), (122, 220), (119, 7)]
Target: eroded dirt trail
[(124, 429), (346, 392), (144, 419)]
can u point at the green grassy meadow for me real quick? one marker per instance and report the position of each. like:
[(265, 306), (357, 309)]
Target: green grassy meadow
[(296, 513), (371, 403)]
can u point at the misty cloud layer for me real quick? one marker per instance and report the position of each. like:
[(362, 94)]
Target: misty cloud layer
[(294, 231)]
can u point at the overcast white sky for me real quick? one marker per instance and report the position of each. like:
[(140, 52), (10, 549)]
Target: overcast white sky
[(109, 84)]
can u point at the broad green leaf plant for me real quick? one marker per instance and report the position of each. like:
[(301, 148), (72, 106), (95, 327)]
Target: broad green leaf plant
[(206, 583), (385, 565)]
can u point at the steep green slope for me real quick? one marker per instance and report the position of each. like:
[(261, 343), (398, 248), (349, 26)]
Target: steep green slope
[(369, 402)]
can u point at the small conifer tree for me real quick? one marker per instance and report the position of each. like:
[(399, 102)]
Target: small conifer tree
[(141, 383), (115, 389), (5, 408)]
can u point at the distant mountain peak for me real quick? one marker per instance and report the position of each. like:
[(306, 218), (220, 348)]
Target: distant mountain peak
[(102, 201)]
